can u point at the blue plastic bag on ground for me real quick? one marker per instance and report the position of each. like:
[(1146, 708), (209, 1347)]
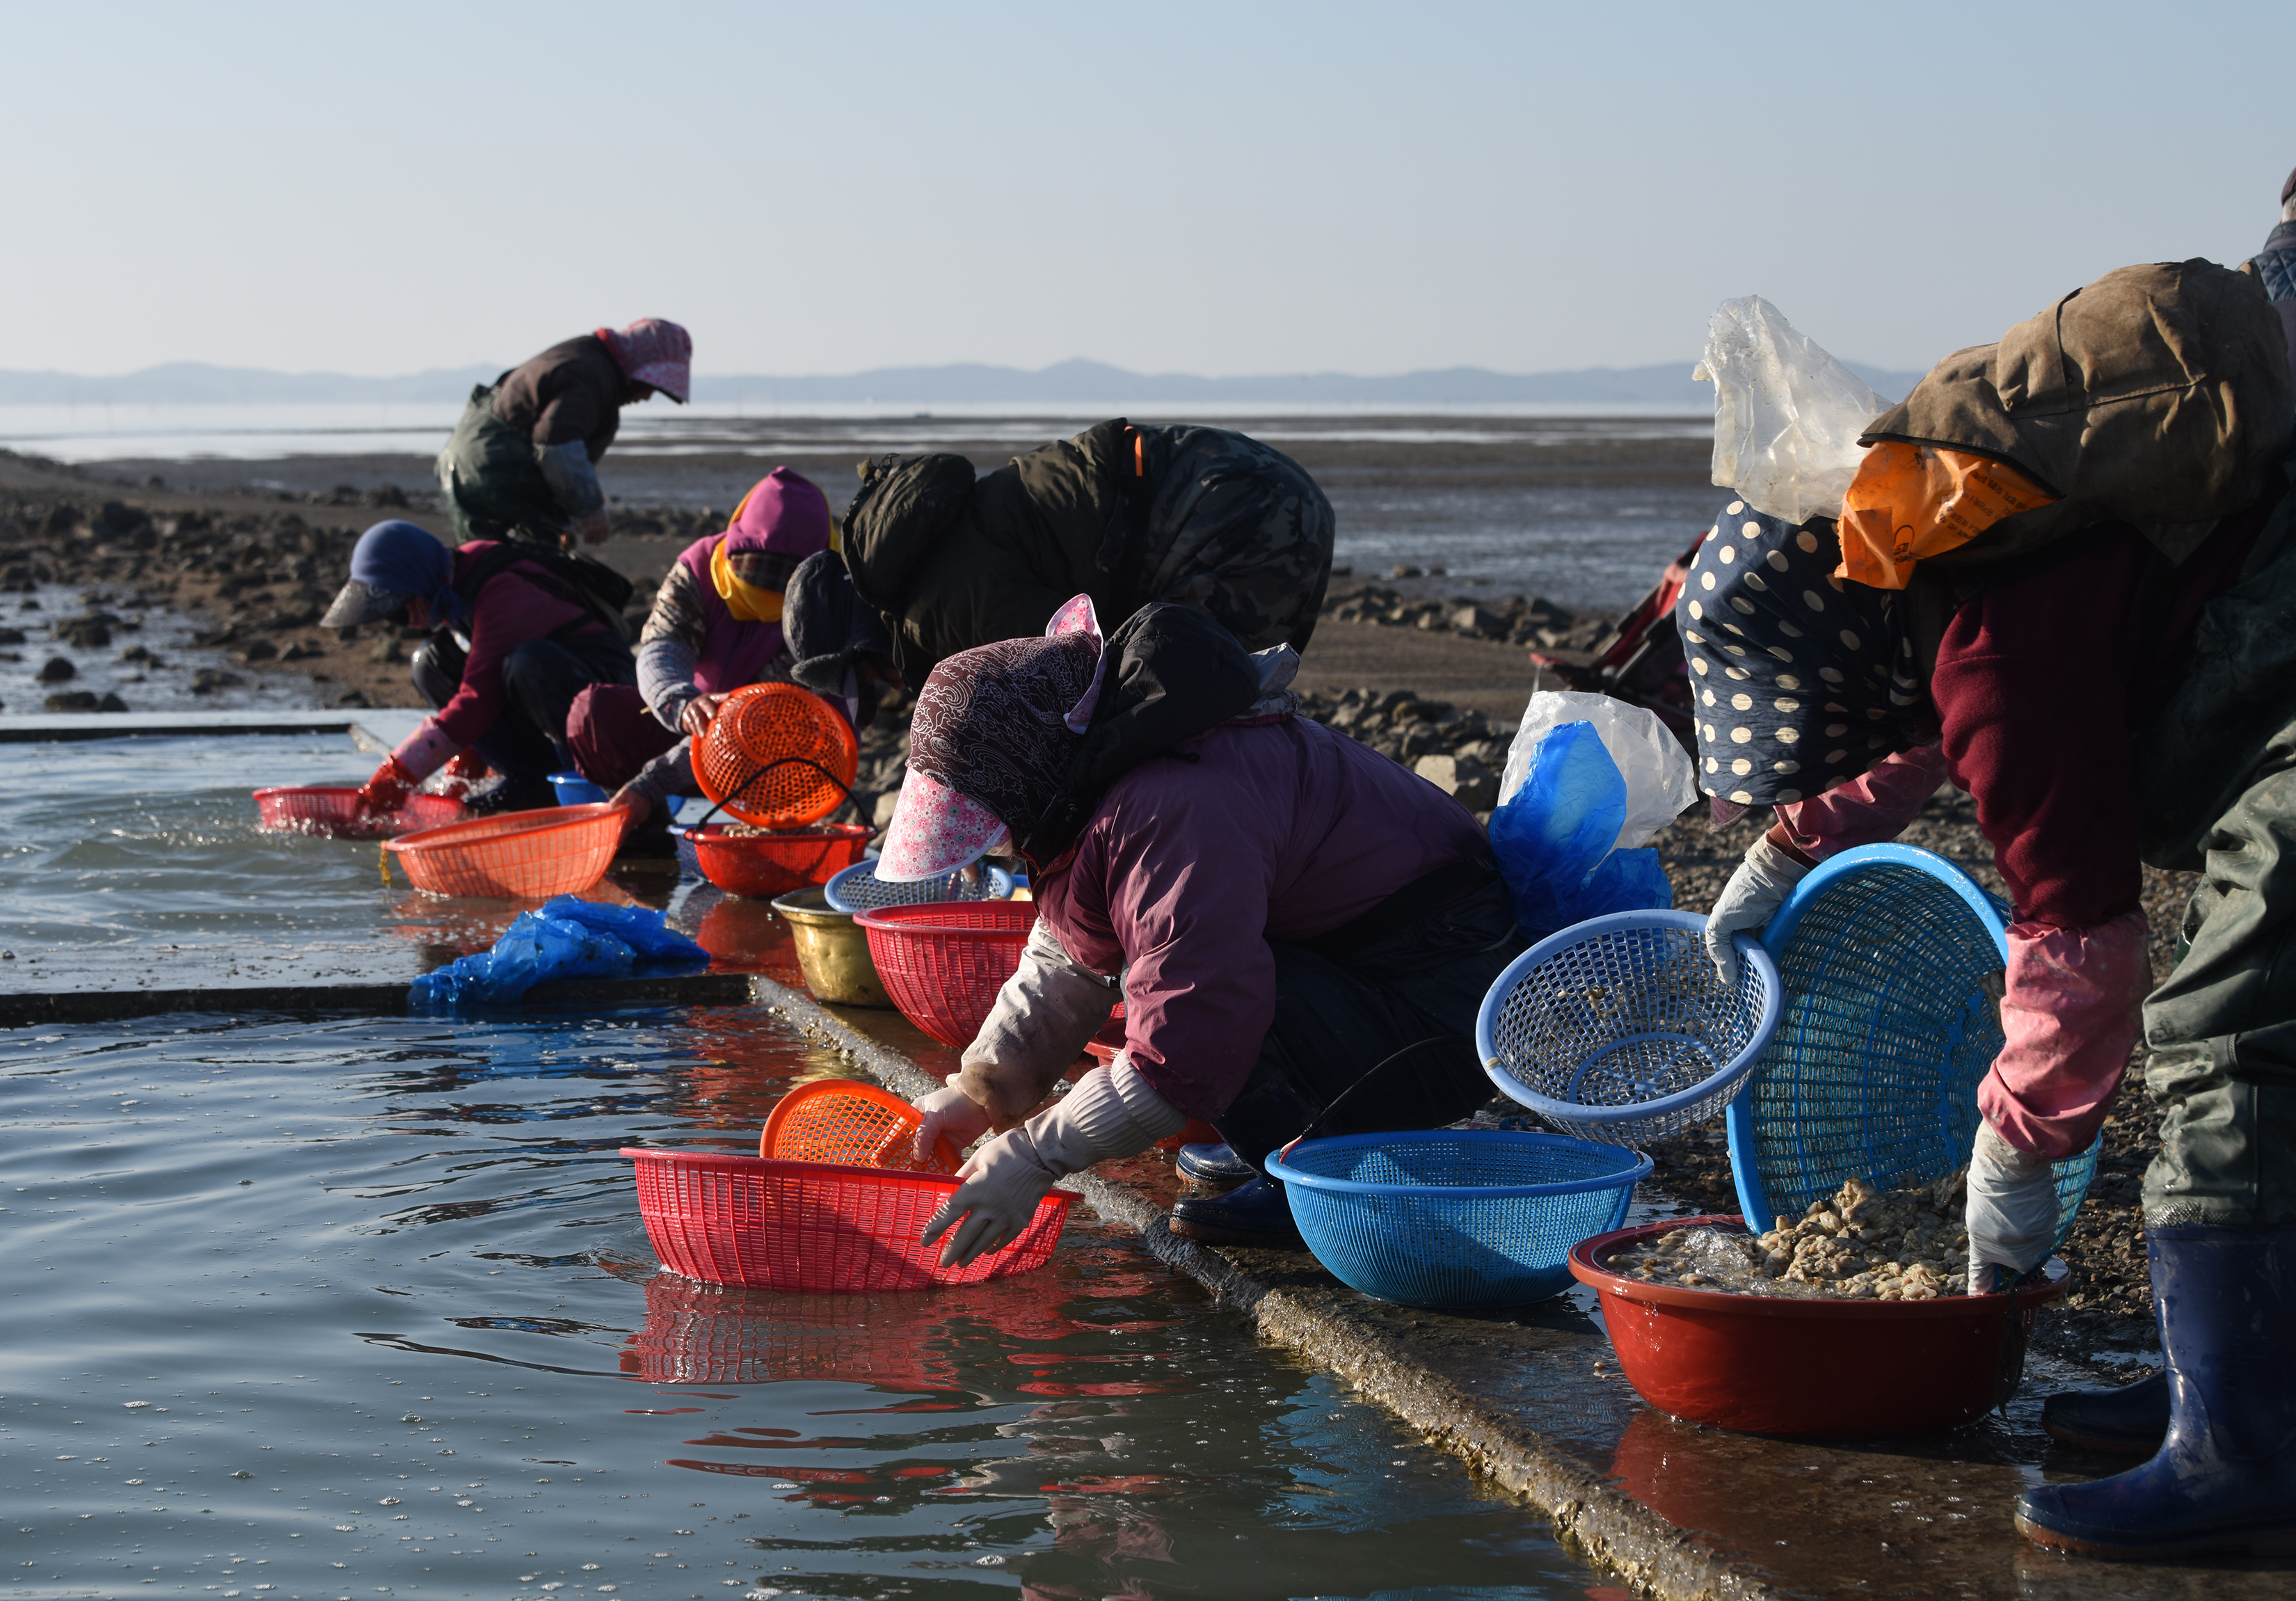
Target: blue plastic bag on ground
[(1553, 839), (566, 938)]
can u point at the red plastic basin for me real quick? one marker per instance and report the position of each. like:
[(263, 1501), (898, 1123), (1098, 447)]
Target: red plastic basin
[(762, 865), (1791, 1365), (331, 810)]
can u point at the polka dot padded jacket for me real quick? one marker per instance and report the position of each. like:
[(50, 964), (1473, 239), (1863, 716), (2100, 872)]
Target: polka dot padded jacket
[(1802, 680)]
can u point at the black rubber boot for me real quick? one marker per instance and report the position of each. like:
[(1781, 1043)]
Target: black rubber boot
[(2129, 1421), (1258, 1214), (2224, 1481), (1216, 1166)]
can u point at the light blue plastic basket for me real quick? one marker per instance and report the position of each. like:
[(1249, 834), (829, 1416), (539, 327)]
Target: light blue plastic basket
[(1454, 1219), (1618, 1029), (1892, 960)]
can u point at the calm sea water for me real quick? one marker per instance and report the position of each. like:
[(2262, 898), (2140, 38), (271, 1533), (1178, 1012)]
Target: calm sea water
[(354, 1308)]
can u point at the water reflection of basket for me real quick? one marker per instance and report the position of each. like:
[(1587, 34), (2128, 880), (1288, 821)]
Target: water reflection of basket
[(813, 1226), (701, 1334)]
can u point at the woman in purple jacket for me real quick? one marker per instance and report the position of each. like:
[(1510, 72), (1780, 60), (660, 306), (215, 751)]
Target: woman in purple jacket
[(1287, 911)]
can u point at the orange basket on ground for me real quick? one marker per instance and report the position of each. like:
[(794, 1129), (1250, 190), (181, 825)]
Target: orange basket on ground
[(332, 811), (774, 1225), (943, 961), (853, 1124), (762, 865), (525, 855), (777, 756)]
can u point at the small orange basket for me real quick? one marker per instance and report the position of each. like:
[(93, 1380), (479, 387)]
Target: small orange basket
[(857, 1125), (524, 854), (333, 812), (776, 756)]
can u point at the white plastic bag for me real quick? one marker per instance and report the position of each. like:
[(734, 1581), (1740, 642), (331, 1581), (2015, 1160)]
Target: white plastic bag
[(1660, 781), (1787, 414)]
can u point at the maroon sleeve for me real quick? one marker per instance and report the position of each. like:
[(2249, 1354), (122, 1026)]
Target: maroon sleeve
[(508, 612), (2032, 687)]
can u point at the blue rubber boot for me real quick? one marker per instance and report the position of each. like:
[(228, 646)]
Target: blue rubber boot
[(2224, 1481), (1211, 1164), (2129, 1421), (1258, 1214)]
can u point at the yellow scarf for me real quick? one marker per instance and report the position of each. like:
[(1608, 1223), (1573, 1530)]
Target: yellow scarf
[(746, 602)]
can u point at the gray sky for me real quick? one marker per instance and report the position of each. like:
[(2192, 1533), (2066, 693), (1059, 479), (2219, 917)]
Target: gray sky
[(1224, 188)]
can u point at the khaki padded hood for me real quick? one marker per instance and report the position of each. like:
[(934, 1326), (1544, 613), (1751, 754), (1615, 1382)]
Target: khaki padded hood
[(2159, 395)]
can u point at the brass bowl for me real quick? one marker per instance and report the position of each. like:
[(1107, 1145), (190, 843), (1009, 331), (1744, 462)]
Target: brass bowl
[(833, 951)]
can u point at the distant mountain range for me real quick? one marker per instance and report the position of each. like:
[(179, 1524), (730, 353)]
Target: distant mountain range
[(195, 383)]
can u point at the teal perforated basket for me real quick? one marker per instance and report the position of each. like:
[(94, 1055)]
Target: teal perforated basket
[(1891, 959)]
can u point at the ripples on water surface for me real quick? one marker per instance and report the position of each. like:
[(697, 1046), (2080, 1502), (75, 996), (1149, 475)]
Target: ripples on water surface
[(354, 1308)]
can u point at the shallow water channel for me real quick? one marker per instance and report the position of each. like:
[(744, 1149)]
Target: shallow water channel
[(364, 1307)]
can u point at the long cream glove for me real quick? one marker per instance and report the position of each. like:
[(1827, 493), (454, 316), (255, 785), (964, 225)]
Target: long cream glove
[(1112, 1113)]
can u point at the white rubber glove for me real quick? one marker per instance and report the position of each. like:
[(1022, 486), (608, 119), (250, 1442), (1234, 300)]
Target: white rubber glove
[(948, 1113), (1112, 1113), (1754, 894), (2013, 1210)]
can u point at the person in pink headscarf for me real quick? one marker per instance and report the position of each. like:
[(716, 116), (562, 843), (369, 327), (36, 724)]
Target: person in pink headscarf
[(522, 463), (716, 626)]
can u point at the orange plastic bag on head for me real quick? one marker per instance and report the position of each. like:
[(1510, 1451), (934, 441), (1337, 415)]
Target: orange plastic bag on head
[(1911, 501)]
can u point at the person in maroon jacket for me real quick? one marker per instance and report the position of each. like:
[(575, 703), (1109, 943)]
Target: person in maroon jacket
[(522, 463), (530, 642)]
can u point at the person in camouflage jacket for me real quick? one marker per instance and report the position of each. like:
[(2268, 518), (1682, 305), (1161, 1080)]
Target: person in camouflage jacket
[(1196, 516)]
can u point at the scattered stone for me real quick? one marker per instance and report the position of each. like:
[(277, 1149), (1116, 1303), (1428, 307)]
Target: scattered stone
[(1476, 620), (386, 648), (1461, 777), (352, 697), (57, 670), (75, 700), (112, 701), (261, 650), (12, 636), (297, 650), (1401, 570), (136, 652), (387, 495), (85, 633), (209, 680)]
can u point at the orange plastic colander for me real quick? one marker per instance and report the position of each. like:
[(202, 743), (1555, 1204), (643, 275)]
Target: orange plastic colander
[(776, 756), (854, 1125)]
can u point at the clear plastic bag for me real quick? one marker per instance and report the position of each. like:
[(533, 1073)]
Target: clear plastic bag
[(1553, 837), (1787, 414), (1661, 784)]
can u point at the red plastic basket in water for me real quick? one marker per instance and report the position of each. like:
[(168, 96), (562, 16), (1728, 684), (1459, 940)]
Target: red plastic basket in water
[(763, 866), (525, 855), (781, 754), (812, 1225), (1796, 1364), (943, 961), (333, 811)]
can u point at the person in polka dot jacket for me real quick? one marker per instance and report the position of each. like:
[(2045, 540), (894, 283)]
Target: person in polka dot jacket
[(2112, 692)]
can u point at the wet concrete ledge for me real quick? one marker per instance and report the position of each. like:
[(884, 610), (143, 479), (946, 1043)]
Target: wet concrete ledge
[(373, 729), (1533, 1401), (369, 1000)]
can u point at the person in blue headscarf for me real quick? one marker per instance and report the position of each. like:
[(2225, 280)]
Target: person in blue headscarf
[(513, 644)]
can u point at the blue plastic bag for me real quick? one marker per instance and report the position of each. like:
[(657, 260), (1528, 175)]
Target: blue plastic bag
[(1553, 839), (566, 938)]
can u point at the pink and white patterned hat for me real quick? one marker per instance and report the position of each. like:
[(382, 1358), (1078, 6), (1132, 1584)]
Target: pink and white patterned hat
[(934, 831), (655, 352)]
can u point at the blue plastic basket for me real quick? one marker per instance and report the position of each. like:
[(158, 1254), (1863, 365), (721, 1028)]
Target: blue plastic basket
[(1892, 960), (858, 889), (1618, 1029), (1455, 1218), (574, 790)]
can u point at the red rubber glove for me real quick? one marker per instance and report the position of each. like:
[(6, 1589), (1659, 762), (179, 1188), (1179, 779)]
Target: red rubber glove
[(388, 790)]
